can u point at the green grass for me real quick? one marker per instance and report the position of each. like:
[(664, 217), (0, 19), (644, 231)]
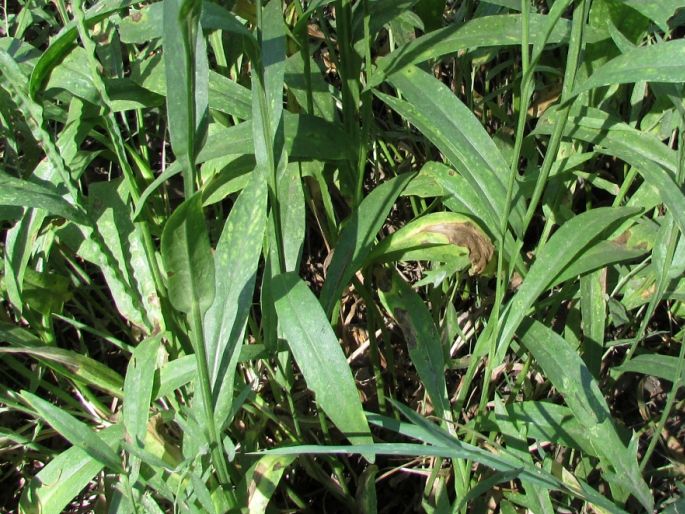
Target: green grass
[(342, 256)]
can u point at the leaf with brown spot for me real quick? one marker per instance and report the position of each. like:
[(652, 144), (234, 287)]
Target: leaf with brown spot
[(440, 236)]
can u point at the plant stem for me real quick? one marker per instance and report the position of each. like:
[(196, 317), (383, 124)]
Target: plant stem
[(197, 338)]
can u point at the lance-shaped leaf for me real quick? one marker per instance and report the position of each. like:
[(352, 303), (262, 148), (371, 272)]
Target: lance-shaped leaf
[(450, 125), (188, 258), (357, 237), (567, 244), (438, 236), (662, 62), (319, 356), (77, 367), (571, 377), (65, 476), (657, 10), (651, 158), (420, 333), (22, 193), (236, 260), (187, 77), (75, 431), (63, 42), (138, 386), (486, 31)]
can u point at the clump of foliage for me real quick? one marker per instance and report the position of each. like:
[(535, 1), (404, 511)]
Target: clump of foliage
[(335, 255)]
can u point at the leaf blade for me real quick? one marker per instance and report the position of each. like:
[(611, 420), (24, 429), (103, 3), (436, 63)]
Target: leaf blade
[(319, 356), (187, 257)]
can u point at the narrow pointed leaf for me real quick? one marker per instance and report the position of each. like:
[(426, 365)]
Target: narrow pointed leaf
[(357, 238), (661, 62), (319, 356), (566, 245), (657, 10), (420, 334), (65, 476), (662, 366), (75, 366), (138, 386), (185, 53), (653, 160), (22, 193), (63, 42), (236, 260), (437, 112), (487, 31), (188, 258), (571, 377), (75, 431)]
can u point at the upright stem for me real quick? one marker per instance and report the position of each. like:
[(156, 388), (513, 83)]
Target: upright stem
[(575, 47), (513, 173), (217, 448)]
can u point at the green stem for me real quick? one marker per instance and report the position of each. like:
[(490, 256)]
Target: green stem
[(574, 50), (206, 392)]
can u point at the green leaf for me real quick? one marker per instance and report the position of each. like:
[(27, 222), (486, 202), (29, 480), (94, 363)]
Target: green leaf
[(301, 85), (319, 356), (660, 11), (228, 96), (262, 480), (273, 55), (357, 238), (293, 215), (543, 421), (661, 62), (452, 127), (381, 13), (146, 24), (488, 31), (420, 334), (597, 256), (501, 460), (652, 159), (63, 42), (455, 449), (73, 75), (65, 476), (662, 366), (20, 239), (225, 95), (43, 195), (567, 244), (593, 307), (431, 12), (137, 299), (75, 431), (46, 292), (173, 375), (306, 137), (437, 179), (187, 257), (571, 377), (235, 261), (185, 54), (78, 367), (138, 386)]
